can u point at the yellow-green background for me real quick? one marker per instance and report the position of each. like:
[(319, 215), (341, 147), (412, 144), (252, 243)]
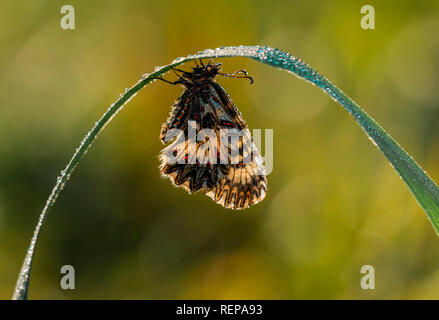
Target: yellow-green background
[(334, 203)]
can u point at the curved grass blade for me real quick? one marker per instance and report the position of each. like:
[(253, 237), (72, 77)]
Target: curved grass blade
[(420, 184)]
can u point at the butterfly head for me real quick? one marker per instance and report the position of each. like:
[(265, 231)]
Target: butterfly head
[(200, 74)]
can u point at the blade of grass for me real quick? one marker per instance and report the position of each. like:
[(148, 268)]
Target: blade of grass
[(420, 184)]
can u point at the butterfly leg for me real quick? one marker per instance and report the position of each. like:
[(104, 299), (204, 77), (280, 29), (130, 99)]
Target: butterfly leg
[(179, 70), (167, 81)]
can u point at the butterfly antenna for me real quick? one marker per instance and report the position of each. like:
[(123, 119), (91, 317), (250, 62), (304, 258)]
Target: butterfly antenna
[(234, 75)]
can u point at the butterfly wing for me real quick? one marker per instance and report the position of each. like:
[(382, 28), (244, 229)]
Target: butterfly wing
[(237, 182)]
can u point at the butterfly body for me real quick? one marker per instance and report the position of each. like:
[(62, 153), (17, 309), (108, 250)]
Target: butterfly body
[(206, 163)]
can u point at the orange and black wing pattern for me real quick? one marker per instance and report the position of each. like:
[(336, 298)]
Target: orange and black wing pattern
[(209, 148)]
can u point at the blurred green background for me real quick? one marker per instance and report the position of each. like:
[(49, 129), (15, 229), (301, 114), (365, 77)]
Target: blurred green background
[(334, 203)]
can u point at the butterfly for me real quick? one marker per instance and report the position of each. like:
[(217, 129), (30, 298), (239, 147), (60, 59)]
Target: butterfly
[(209, 147)]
